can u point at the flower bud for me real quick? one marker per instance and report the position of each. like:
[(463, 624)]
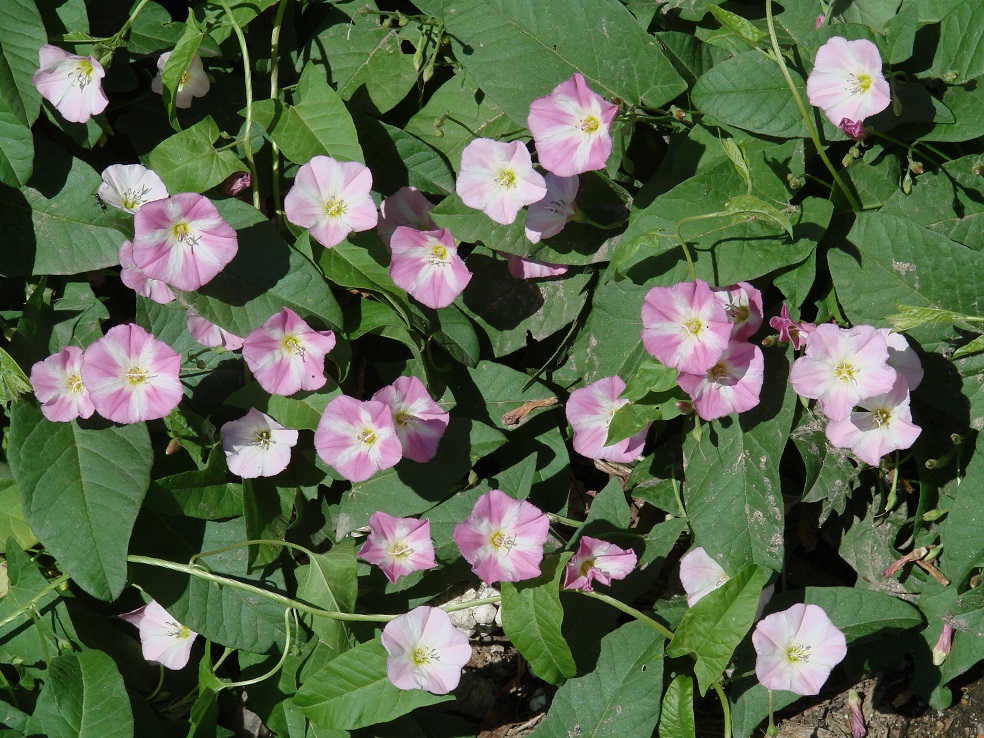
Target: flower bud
[(858, 729), (943, 645), (236, 183), (951, 76), (977, 169), (678, 113), (821, 19), (916, 167)]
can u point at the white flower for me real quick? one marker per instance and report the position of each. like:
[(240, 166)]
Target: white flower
[(256, 445), (128, 186), (194, 82), (163, 639), (847, 81)]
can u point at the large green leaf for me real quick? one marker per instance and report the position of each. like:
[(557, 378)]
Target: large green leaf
[(963, 544), (330, 582), (81, 488), (959, 48), (13, 526), (188, 162), (20, 38), (677, 718)]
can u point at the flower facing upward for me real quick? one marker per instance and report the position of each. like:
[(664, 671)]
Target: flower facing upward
[(498, 179), (847, 82), (503, 538), (132, 376), (742, 304), (210, 335), (590, 411), (256, 445), (789, 330), (405, 207), (884, 424), (684, 326), (425, 650), (420, 422), (182, 240), (286, 355), (700, 575), (398, 546), (732, 385), (57, 383), (128, 186), (193, 83), (133, 277), (331, 199), (426, 264), (521, 268), (163, 639), (597, 561), (357, 438), (547, 217), (73, 84), (570, 128), (797, 649)]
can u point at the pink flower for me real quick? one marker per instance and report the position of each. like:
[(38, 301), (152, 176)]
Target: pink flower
[(398, 546), (256, 445), (858, 729), (847, 81), (357, 438), (498, 179), (570, 128), (331, 199), (134, 278), (420, 422), (182, 240), (193, 83), (210, 335), (789, 330), (943, 645), (733, 385), (522, 268), (590, 410), (132, 376), (597, 560), (426, 264), (286, 355), (236, 183), (163, 639), (884, 425), (405, 207), (128, 186), (73, 84), (797, 649), (684, 326), (700, 575), (902, 358), (842, 366), (853, 129), (58, 385), (742, 304), (547, 217), (425, 650), (818, 24)]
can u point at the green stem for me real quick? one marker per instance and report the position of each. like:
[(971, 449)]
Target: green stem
[(472, 603), (248, 73), (129, 21), (725, 708), (683, 243), (251, 542), (628, 610), (565, 521), (910, 147), (280, 664), (157, 689), (278, 22), (29, 605)]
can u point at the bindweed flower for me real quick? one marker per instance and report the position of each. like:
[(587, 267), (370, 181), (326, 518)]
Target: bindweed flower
[(789, 330), (73, 84), (853, 129), (163, 639), (210, 335), (547, 217), (193, 83), (732, 385), (818, 24), (847, 81), (685, 327), (797, 649), (357, 438), (597, 561), (286, 355), (425, 650), (498, 178), (405, 207), (128, 186), (503, 538), (398, 546), (883, 425), (903, 358), (742, 304), (943, 645), (858, 729), (237, 182), (426, 264), (521, 268), (700, 575), (420, 422), (331, 199), (570, 128), (842, 366), (590, 410), (58, 385), (256, 445), (134, 278), (131, 375), (182, 240)]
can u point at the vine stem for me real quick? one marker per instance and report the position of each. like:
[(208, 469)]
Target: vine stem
[(629, 610), (725, 707), (278, 23), (29, 605), (129, 21), (248, 73), (570, 522), (251, 542)]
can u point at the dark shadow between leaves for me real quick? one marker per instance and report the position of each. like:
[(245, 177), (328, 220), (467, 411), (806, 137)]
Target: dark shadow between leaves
[(256, 269)]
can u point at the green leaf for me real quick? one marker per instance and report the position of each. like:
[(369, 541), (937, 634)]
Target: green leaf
[(300, 411), (610, 506), (13, 380), (958, 50), (13, 526), (913, 316), (652, 375), (399, 159), (532, 617), (753, 206), (677, 717), (737, 24), (473, 226), (974, 347), (204, 493), (960, 533), (860, 613), (188, 162), (153, 31), (330, 581), (16, 146), (177, 64), (81, 488), (22, 35), (352, 691)]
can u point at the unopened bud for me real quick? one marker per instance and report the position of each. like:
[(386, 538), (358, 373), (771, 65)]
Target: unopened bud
[(977, 169), (858, 729), (934, 515), (772, 731), (916, 167), (896, 106), (678, 113), (363, 11), (684, 408), (975, 581), (794, 183), (847, 161), (943, 645), (951, 76), (855, 152), (769, 341), (820, 21), (172, 447), (236, 183), (907, 183)]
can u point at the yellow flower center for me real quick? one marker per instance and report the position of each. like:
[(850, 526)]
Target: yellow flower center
[(83, 73), (136, 375), (858, 84), (506, 179), (292, 345), (368, 436), (335, 208), (717, 372), (693, 326), (183, 232), (587, 566), (184, 78), (438, 254), (133, 198), (502, 542), (797, 654), (422, 655), (263, 438), (402, 418), (589, 124), (845, 372), (400, 550), (881, 416), (73, 383)]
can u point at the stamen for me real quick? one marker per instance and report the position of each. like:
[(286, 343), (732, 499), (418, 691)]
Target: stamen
[(693, 326), (73, 383), (500, 540), (438, 255), (400, 550), (845, 372), (423, 655), (881, 416), (506, 178), (292, 345), (589, 124), (368, 436), (263, 438), (136, 375), (182, 231), (797, 654), (402, 418), (134, 198), (335, 208), (858, 84)]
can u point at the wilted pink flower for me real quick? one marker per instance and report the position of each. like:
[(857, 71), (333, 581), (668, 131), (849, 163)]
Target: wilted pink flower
[(163, 639), (597, 561), (522, 268), (570, 128), (405, 207), (547, 217), (884, 425), (357, 438), (420, 422), (733, 385), (131, 375), (847, 80), (742, 304), (818, 24), (684, 326), (590, 410), (236, 183), (797, 649), (73, 84), (134, 278), (182, 240), (700, 575), (286, 355), (498, 178), (331, 199), (842, 366), (903, 358), (256, 445), (503, 538), (853, 129), (128, 186), (943, 645), (789, 330), (193, 83), (210, 335), (57, 383), (426, 264), (858, 729), (398, 546), (425, 650)]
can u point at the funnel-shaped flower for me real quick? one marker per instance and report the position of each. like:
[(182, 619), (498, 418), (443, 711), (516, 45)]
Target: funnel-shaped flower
[(883, 425), (405, 207), (193, 83), (163, 639), (398, 546), (256, 445), (684, 326), (357, 438), (943, 645), (847, 81), (597, 561), (331, 199), (73, 84), (128, 186), (522, 268), (210, 335), (286, 355), (742, 304), (547, 217), (498, 179), (426, 264), (425, 650), (57, 383), (700, 575), (903, 358), (134, 278), (420, 422), (797, 649), (732, 385), (590, 411)]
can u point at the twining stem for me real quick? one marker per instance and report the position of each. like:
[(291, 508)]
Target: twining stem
[(629, 610), (565, 521), (913, 146), (29, 605), (279, 665), (725, 708), (251, 542), (278, 23), (248, 73), (683, 243)]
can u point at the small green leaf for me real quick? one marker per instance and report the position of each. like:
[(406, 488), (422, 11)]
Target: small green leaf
[(677, 717), (974, 347), (913, 316), (13, 380), (330, 581), (188, 162), (177, 64), (749, 205), (737, 24)]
